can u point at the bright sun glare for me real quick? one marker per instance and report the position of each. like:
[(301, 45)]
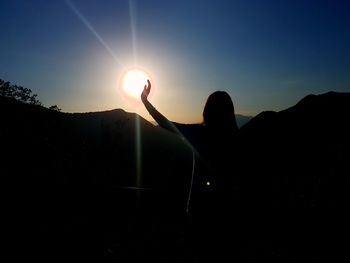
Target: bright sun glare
[(133, 82)]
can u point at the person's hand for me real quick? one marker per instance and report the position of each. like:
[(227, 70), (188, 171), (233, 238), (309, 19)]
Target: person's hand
[(146, 91)]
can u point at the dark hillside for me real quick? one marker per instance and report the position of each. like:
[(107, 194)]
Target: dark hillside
[(69, 180), (103, 185), (297, 175)]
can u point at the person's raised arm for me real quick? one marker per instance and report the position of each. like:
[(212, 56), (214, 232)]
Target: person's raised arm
[(157, 116)]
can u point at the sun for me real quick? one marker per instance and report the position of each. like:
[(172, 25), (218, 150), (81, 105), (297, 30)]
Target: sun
[(133, 82)]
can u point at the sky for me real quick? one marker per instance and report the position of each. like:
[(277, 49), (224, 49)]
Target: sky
[(266, 54)]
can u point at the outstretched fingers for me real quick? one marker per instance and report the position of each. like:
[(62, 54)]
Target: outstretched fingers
[(149, 86), (146, 91)]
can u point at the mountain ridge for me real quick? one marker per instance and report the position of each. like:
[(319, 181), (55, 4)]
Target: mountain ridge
[(80, 183)]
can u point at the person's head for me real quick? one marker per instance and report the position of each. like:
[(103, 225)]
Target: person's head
[(219, 113)]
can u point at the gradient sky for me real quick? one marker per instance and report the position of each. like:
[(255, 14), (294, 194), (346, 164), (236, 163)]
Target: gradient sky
[(266, 54)]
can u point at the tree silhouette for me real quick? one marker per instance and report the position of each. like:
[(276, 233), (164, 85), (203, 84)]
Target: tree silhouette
[(54, 108), (18, 93)]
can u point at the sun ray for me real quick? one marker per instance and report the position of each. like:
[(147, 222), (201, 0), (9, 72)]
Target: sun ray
[(137, 81), (132, 13), (138, 151), (133, 88), (93, 31)]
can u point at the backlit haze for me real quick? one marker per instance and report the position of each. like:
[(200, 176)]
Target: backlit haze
[(266, 54)]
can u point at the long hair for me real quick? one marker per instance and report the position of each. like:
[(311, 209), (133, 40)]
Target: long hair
[(219, 113)]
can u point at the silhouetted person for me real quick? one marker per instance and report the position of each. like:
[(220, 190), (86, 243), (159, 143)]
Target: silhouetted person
[(213, 139), (215, 142)]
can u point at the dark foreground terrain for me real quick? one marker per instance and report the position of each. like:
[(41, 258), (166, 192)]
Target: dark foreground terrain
[(111, 187)]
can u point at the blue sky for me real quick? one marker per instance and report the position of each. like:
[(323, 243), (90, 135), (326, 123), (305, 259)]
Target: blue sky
[(266, 54)]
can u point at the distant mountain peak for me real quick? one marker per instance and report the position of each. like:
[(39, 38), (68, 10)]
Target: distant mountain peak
[(324, 98)]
